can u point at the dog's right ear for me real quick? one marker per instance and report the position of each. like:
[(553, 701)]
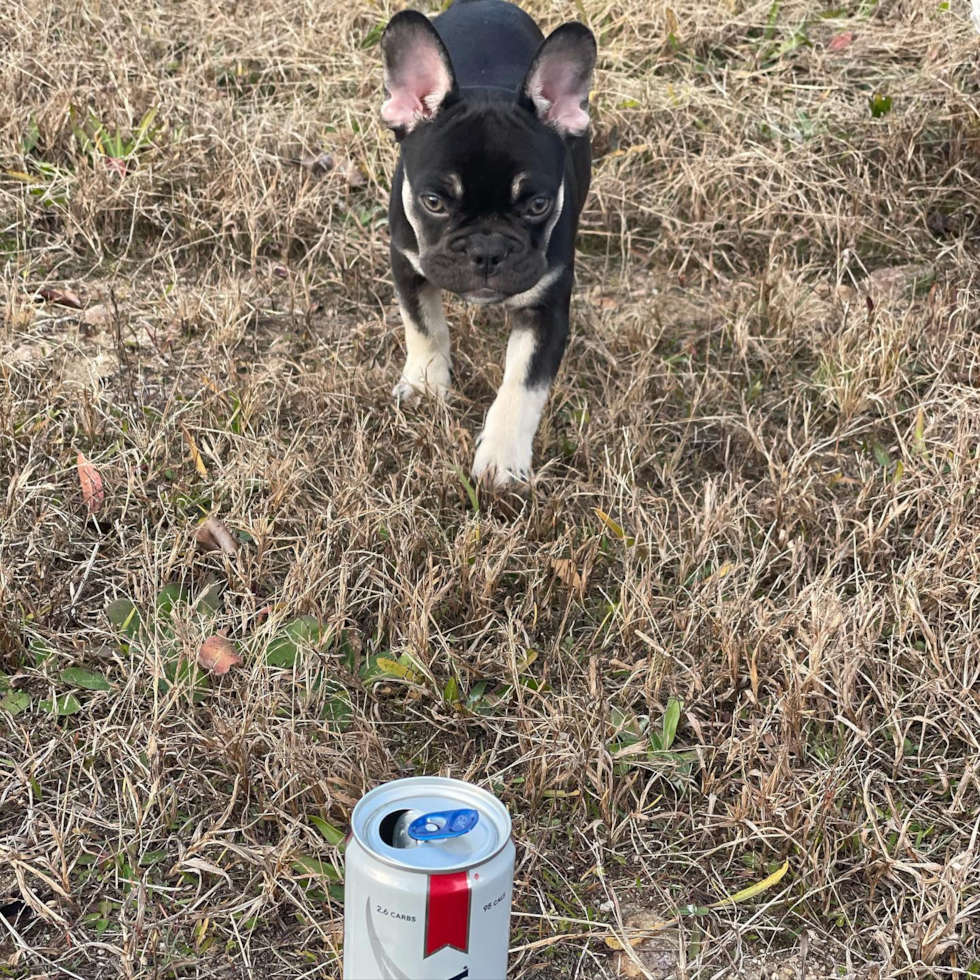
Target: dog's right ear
[(418, 73)]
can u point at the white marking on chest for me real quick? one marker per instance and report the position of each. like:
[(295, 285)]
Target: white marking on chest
[(534, 295)]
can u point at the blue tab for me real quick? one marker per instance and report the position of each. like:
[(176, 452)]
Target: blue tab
[(442, 825)]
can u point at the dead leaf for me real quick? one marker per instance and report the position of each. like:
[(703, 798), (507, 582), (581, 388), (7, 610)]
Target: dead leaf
[(200, 865), (656, 956), (941, 224), (649, 924), (893, 283), (217, 654), (565, 571), (602, 300), (93, 492), (840, 42), (755, 889), (614, 527), (280, 271), (116, 166), (63, 297), (640, 927), (321, 162), (625, 967), (195, 453), (212, 535), (353, 173), (97, 316)]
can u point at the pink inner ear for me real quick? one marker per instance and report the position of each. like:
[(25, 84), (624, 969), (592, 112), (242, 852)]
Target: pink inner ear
[(557, 91), (416, 88)]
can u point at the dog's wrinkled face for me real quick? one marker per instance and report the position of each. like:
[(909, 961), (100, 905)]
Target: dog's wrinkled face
[(483, 192), (482, 177)]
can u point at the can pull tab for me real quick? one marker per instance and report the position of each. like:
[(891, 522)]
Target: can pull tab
[(443, 825)]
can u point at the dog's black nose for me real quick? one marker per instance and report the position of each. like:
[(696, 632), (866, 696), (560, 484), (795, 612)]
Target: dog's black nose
[(486, 252)]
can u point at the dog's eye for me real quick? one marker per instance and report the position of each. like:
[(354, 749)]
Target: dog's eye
[(539, 206), (434, 203)]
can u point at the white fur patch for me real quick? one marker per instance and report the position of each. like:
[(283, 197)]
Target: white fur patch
[(411, 210), (532, 296), (515, 187), (555, 214), (506, 445), (455, 185), (428, 365), (540, 102), (413, 259)]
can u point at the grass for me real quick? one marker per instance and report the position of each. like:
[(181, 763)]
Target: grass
[(732, 625)]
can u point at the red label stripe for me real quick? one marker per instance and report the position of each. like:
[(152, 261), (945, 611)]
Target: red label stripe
[(447, 918)]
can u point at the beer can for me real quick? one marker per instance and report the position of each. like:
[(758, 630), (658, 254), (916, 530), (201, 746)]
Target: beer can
[(427, 891)]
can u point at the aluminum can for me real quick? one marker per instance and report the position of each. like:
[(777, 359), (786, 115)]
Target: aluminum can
[(427, 891)]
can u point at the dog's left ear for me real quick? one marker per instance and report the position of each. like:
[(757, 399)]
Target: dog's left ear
[(560, 77), (419, 76)]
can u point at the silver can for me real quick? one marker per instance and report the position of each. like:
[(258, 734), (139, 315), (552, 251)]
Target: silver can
[(427, 892)]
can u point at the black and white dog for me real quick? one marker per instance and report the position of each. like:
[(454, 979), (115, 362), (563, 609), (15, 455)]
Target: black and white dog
[(493, 173)]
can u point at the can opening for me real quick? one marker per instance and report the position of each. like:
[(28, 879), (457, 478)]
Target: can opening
[(386, 829)]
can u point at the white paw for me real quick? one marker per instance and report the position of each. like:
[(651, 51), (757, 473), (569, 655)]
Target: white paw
[(420, 377), (502, 458)]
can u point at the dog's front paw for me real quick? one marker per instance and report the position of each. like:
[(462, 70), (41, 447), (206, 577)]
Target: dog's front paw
[(501, 459), (432, 377)]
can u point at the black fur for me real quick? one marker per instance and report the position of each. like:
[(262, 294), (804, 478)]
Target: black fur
[(488, 247)]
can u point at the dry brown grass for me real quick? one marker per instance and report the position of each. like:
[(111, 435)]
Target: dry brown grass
[(772, 388)]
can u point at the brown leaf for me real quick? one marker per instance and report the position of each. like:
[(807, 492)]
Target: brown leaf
[(116, 166), (566, 572), (217, 654), (317, 162), (195, 453), (280, 271), (97, 316), (92, 491), (941, 224), (840, 42), (353, 173), (63, 297), (212, 535), (604, 302)]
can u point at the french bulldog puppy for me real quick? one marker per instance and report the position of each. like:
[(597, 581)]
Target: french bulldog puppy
[(492, 121)]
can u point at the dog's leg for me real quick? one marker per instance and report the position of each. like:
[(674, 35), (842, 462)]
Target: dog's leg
[(428, 364), (534, 351)]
